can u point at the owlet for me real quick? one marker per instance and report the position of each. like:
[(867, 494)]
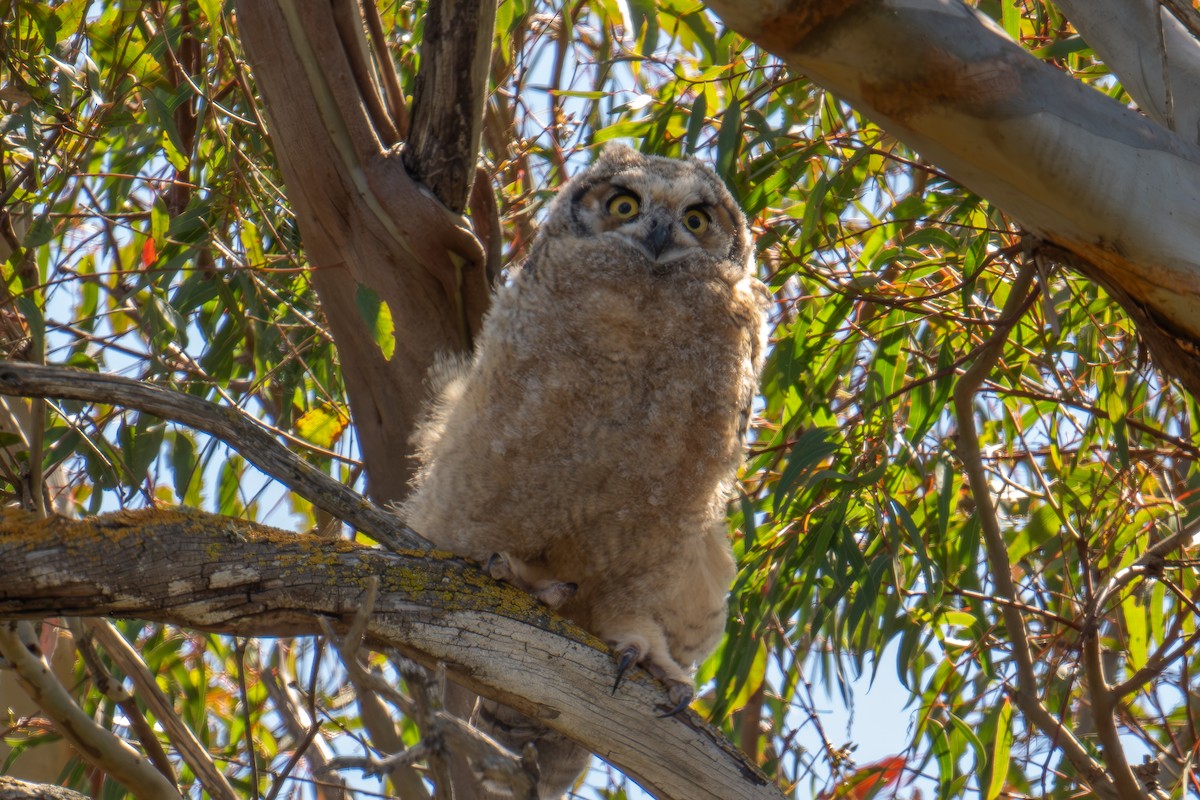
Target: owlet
[(586, 452)]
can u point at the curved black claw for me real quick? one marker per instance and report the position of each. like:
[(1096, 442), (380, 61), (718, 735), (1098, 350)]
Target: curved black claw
[(681, 695), (626, 659)]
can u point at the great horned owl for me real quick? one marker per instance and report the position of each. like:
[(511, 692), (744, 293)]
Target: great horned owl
[(586, 451)]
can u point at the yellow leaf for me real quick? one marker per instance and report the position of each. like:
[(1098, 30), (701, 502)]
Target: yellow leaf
[(323, 425)]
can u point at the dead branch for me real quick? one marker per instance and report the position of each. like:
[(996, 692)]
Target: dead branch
[(207, 572)]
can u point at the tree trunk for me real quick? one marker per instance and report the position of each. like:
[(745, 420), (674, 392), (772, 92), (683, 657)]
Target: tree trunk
[(364, 222)]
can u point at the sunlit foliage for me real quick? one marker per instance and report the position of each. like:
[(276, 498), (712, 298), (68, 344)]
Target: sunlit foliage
[(146, 232)]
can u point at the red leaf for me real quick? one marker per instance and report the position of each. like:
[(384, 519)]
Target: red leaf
[(866, 779), (149, 254)]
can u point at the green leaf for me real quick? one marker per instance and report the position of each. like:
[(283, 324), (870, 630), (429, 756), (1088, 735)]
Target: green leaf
[(809, 450), (229, 485), (252, 245), (748, 678), (160, 222), (171, 149), (696, 121), (184, 469), (377, 316), (1001, 750), (968, 733), (1134, 613), (729, 144), (211, 9), (1011, 19), (323, 425)]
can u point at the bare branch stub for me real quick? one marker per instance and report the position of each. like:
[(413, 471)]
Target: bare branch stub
[(448, 98)]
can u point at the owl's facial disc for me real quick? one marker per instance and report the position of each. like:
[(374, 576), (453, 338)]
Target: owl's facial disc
[(656, 233)]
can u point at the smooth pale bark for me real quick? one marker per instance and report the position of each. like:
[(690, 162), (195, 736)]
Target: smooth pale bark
[(1156, 58), (213, 573), (1119, 192)]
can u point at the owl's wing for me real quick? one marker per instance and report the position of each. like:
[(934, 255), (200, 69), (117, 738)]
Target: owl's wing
[(756, 329)]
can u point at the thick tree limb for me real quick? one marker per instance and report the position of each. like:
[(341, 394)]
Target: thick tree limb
[(364, 222), (13, 789), (1075, 167), (1155, 56), (448, 97), (229, 425), (218, 574)]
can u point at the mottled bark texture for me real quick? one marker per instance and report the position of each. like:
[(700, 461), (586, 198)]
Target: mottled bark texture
[(13, 789), (207, 572)]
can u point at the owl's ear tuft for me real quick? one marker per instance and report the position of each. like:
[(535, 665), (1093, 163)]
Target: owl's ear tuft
[(617, 153)]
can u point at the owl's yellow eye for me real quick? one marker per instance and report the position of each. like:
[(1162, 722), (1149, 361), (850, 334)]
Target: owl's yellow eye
[(695, 220), (623, 206)]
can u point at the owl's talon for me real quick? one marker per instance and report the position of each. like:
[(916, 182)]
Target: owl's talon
[(681, 694), (500, 569), (625, 659)]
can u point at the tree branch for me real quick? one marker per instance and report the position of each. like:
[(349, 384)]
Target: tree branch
[(231, 426), (364, 221), (1156, 58), (13, 789), (98, 745), (448, 97), (1074, 166), (190, 749), (999, 567), (219, 574)]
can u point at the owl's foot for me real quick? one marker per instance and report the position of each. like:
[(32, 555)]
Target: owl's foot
[(625, 659), (680, 695), (503, 567), (679, 687)]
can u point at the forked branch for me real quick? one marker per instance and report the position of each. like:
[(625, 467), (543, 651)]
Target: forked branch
[(999, 566)]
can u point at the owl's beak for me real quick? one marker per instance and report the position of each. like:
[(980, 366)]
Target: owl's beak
[(658, 237)]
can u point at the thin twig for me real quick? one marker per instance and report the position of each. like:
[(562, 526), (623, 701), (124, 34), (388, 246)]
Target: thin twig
[(193, 753), (299, 723), (369, 688), (297, 754), (1150, 562), (232, 426), (428, 701), (122, 698), (98, 745), (393, 94), (997, 552)]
